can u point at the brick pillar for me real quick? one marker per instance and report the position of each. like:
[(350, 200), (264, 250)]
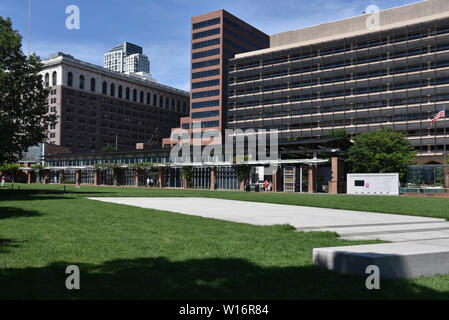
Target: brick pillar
[(312, 178), (161, 177), (212, 177), (446, 179), (137, 172), (276, 179), (333, 184), (78, 176), (61, 176), (46, 176), (96, 177), (115, 173)]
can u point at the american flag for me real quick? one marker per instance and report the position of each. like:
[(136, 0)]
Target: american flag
[(439, 115)]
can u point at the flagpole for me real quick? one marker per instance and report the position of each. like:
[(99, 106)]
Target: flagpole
[(29, 26)]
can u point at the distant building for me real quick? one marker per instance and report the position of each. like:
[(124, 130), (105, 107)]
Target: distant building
[(96, 107), (127, 58)]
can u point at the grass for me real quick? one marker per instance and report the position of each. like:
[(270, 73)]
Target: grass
[(129, 252)]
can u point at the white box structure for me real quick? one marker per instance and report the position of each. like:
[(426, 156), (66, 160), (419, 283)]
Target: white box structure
[(373, 183)]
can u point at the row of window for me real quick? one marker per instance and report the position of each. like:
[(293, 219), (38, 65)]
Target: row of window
[(207, 43), (206, 33), (205, 104), (204, 64), (205, 114), (385, 39), (339, 93), (204, 84), (343, 63), (346, 77), (204, 94), (206, 53), (204, 74), (206, 23), (135, 96)]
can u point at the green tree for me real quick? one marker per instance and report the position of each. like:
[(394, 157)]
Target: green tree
[(337, 133), (24, 117), (381, 151), (107, 148)]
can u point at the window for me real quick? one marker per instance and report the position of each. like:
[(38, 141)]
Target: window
[(70, 79), (53, 78), (161, 101), (127, 93), (207, 53), (155, 100), (206, 23), (135, 95), (141, 97), (112, 90), (206, 33), (148, 98), (81, 82), (206, 43), (167, 103), (105, 88), (205, 104), (207, 73), (92, 84), (359, 183), (205, 114), (204, 64), (203, 94), (208, 83), (120, 92), (47, 80)]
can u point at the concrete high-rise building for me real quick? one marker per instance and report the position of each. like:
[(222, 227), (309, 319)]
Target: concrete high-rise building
[(215, 38), (127, 58), (386, 69)]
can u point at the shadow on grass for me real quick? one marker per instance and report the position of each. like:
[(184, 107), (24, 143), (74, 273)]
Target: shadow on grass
[(7, 244), (159, 278), (12, 212)]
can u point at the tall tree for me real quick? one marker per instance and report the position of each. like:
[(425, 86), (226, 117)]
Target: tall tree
[(381, 151), (24, 117)]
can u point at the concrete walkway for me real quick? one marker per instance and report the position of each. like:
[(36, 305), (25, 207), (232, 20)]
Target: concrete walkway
[(411, 231)]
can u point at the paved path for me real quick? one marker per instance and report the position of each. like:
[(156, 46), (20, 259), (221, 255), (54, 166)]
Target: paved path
[(349, 224), (420, 246)]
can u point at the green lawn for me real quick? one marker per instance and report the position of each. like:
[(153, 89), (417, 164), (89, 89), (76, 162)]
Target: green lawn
[(130, 252)]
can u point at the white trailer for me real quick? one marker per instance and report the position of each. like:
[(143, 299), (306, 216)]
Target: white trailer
[(373, 183)]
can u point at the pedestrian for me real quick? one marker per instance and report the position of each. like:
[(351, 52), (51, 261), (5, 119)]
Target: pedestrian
[(3, 181), (151, 182), (270, 186), (265, 185), (148, 182)]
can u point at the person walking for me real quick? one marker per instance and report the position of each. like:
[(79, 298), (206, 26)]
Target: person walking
[(3, 181), (265, 185), (270, 186), (148, 182)]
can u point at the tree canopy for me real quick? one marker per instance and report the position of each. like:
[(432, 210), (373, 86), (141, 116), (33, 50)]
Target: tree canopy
[(381, 151), (24, 118)]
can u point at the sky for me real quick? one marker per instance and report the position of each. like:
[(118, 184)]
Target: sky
[(162, 27)]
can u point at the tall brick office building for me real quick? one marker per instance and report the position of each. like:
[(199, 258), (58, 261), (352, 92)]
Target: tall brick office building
[(216, 37)]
